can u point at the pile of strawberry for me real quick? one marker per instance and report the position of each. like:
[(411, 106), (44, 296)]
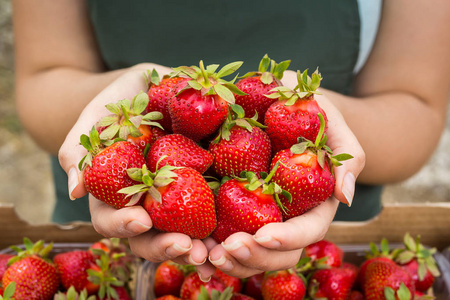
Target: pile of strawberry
[(37, 272), (403, 273), (207, 157)]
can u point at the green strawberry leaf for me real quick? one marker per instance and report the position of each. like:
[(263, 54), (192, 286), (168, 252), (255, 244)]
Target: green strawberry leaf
[(114, 108), (86, 143), (389, 293), (108, 120), (403, 292), (224, 93), (9, 291), (234, 89), (195, 85), (154, 77), (110, 132), (267, 78), (264, 64), (210, 69), (278, 72), (140, 102), (229, 69)]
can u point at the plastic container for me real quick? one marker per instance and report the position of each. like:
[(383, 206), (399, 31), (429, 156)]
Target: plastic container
[(352, 253)]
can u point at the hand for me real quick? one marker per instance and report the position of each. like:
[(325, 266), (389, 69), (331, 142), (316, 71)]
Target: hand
[(130, 222), (278, 246)]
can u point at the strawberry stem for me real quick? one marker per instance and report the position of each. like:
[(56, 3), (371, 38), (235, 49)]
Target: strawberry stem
[(204, 74), (321, 130)]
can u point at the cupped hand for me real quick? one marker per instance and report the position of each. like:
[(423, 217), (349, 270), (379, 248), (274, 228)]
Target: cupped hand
[(278, 246), (130, 222)]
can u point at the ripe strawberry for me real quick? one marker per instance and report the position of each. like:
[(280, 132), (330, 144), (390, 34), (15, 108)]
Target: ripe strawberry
[(35, 276), (327, 252), (168, 297), (73, 268), (295, 114), (105, 169), (160, 91), (306, 172), (178, 199), (169, 277), (283, 285), (239, 296), (241, 145), (230, 281), (253, 286), (259, 84), (201, 108), (419, 262), (192, 286), (127, 122), (178, 151), (4, 258), (245, 205), (356, 295), (332, 283), (381, 275)]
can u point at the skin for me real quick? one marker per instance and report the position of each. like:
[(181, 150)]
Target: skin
[(400, 99)]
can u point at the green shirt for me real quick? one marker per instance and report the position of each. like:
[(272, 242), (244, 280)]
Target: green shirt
[(323, 34)]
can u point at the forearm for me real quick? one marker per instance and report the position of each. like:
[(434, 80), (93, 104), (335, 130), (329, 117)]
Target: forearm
[(50, 101), (397, 131)]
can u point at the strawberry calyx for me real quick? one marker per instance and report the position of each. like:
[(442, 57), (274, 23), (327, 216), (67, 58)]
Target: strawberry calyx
[(414, 250), (383, 251), (39, 249), (236, 117), (126, 118), (323, 152), (93, 144), (210, 82), (402, 293), (72, 294), (226, 294), (9, 291), (150, 181), (305, 89), (275, 73)]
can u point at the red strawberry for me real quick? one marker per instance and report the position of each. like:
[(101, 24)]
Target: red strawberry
[(245, 205), (35, 276), (192, 286), (356, 295), (200, 109), (179, 151), (4, 258), (283, 285), (73, 268), (381, 275), (169, 277), (327, 252), (168, 297), (253, 286), (295, 114), (306, 172), (332, 283), (160, 92), (106, 173), (259, 84), (419, 262), (127, 122), (229, 281), (241, 145), (239, 296), (178, 199)]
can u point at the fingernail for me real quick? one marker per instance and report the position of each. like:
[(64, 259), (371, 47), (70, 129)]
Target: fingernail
[(348, 188), (72, 181), (176, 250), (136, 226), (268, 241), (239, 249), (203, 279), (188, 259), (222, 263)]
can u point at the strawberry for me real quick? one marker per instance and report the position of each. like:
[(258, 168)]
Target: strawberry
[(178, 199), (332, 283), (246, 204), (230, 281), (381, 275), (356, 295), (239, 296), (4, 258), (419, 262), (35, 276), (73, 268), (283, 285), (295, 114), (127, 122), (253, 286), (160, 91), (327, 252), (306, 172), (241, 145), (105, 169), (168, 297), (169, 277), (193, 285), (179, 151), (259, 84), (200, 109)]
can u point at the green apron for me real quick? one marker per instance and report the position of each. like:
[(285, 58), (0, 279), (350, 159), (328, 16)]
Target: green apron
[(174, 33)]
